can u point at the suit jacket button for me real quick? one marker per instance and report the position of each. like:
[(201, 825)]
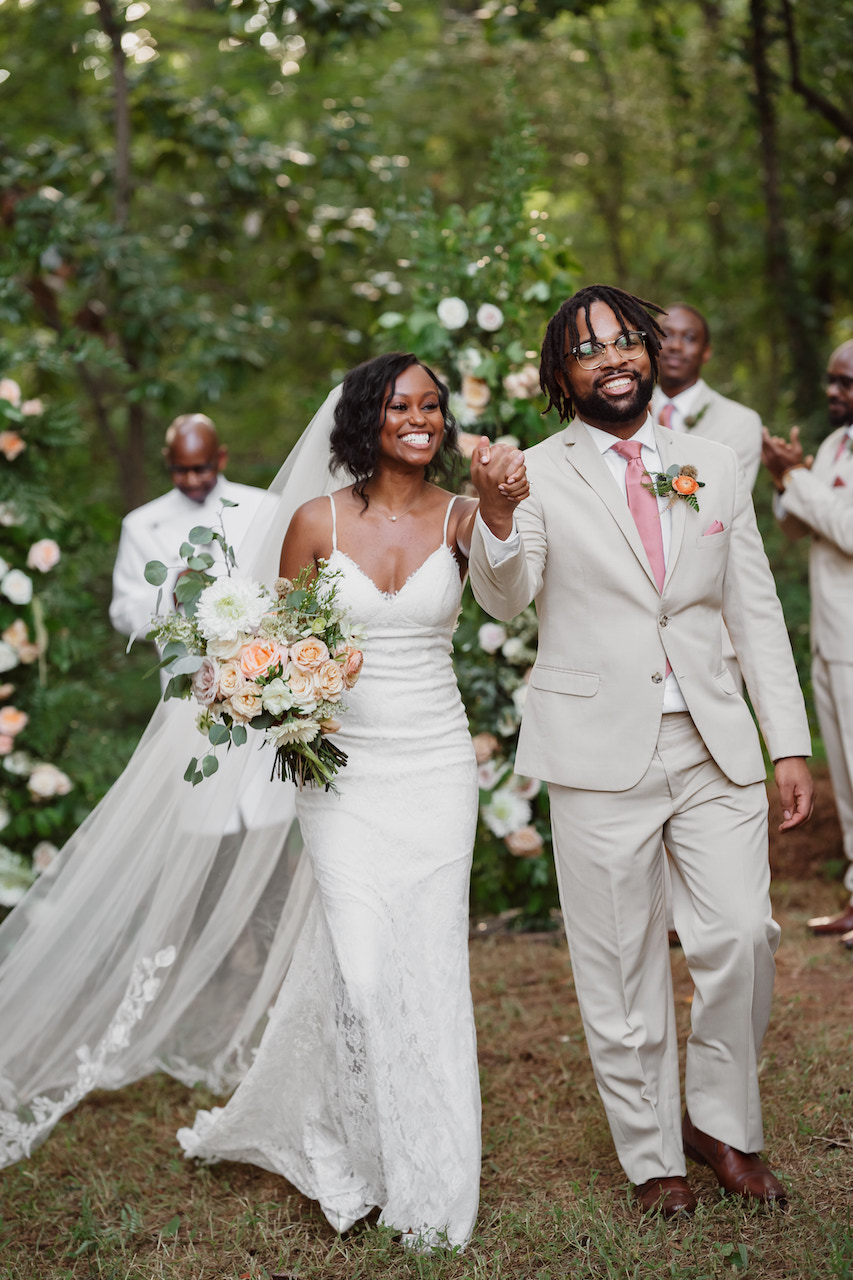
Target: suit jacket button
[(663, 619), (657, 678)]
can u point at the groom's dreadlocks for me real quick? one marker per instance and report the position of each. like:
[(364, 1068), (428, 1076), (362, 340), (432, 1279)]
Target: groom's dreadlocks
[(630, 311)]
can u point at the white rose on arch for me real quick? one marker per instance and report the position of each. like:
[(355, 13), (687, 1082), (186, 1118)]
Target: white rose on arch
[(17, 587), (506, 812), (491, 636), (490, 317), (10, 391), (452, 312)]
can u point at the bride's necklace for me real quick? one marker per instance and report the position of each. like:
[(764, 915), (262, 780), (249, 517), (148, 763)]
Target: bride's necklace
[(400, 514)]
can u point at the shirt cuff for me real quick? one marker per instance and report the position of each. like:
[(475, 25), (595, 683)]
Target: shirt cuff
[(497, 549)]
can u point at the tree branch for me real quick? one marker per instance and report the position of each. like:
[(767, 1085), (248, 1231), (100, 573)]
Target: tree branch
[(832, 114)]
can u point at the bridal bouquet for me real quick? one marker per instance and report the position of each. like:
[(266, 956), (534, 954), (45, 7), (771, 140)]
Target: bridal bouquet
[(278, 662)]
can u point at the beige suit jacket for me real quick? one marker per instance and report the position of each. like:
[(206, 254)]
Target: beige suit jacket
[(813, 505), (595, 697), (727, 422)]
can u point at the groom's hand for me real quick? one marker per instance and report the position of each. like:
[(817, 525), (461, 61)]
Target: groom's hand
[(499, 476), (796, 791)]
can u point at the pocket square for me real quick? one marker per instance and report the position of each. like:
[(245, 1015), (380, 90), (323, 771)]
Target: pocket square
[(838, 483), (716, 527)]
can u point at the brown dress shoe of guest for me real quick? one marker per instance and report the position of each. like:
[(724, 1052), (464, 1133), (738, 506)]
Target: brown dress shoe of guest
[(670, 1197), (823, 925), (738, 1172), (846, 940)]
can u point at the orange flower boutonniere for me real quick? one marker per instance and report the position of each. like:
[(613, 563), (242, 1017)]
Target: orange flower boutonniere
[(676, 482)]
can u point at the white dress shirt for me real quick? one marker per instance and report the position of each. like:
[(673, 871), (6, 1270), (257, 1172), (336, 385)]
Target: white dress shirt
[(684, 405), (779, 509)]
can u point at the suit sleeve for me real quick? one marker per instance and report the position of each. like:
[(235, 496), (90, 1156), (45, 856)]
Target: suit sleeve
[(506, 588), (827, 511), (134, 600), (756, 624), (748, 447)]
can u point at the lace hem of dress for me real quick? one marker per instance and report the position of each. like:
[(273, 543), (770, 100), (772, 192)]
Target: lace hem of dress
[(22, 1129)]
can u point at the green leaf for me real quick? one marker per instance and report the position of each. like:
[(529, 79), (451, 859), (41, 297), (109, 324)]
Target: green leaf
[(190, 769), (186, 666), (171, 1228), (226, 502), (209, 765), (200, 562), (156, 573), (239, 735), (189, 587), (296, 598), (219, 734), (201, 535), (187, 549)]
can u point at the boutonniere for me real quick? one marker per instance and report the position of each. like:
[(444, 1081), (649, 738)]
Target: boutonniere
[(691, 419), (676, 482)]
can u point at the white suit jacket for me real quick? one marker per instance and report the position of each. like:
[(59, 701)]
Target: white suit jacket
[(815, 505), (727, 422), (594, 703), (155, 531)]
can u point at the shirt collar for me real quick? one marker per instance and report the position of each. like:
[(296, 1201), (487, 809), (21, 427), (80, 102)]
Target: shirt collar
[(603, 440), (688, 399)]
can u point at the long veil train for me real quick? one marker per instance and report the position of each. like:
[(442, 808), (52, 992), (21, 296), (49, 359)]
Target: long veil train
[(160, 935)]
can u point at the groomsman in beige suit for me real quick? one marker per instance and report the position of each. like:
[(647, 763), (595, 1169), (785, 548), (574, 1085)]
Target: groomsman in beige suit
[(815, 499), (683, 401), (635, 723)]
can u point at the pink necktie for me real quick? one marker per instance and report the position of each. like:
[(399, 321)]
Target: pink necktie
[(643, 506), (842, 445), (665, 416)]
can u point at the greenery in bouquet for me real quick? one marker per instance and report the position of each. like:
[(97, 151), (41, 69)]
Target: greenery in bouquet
[(278, 662)]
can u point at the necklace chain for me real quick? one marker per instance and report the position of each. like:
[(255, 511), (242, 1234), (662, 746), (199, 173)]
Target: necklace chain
[(400, 514)]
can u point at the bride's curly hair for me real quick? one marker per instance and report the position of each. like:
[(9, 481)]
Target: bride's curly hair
[(360, 413)]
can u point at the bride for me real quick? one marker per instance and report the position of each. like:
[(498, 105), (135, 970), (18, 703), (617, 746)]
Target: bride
[(161, 935), (364, 1091)]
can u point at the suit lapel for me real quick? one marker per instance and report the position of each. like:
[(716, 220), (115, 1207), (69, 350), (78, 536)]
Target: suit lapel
[(667, 442), (586, 459)]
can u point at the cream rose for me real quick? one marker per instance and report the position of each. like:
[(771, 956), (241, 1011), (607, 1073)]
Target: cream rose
[(205, 682), (6, 744), (32, 408), (491, 636), (12, 721), (43, 855), (259, 655), (330, 681), (485, 746), (6, 691), (489, 317), (330, 726), (11, 445), (231, 678), (276, 697), (246, 704), (303, 688), (452, 313), (526, 842), (43, 555), (8, 656), (222, 650), (309, 654), (9, 390), (352, 667), (46, 781), (475, 392), (17, 587)]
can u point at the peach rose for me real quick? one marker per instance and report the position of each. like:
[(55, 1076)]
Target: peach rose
[(526, 842), (6, 690), (12, 721), (330, 681), (231, 678), (485, 746), (475, 392), (43, 555), (259, 655), (9, 390), (46, 781), (11, 445), (246, 704), (352, 667), (32, 408), (6, 744), (330, 726), (303, 687), (16, 634), (685, 485), (309, 654)]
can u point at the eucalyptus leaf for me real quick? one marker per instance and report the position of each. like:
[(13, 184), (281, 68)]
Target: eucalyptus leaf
[(201, 535), (186, 666), (190, 769), (189, 587), (187, 550), (219, 734), (239, 735), (226, 502), (209, 765), (156, 573)]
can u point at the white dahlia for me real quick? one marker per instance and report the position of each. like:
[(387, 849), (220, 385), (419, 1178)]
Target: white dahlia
[(230, 607), (292, 733)]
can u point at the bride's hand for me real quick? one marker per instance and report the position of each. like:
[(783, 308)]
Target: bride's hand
[(507, 467)]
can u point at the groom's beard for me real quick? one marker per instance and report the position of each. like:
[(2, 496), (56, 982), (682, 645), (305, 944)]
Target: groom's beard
[(598, 407)]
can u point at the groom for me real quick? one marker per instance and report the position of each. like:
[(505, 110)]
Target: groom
[(639, 730)]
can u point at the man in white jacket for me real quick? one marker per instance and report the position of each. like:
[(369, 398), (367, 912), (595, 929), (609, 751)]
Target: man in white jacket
[(815, 498), (196, 459)]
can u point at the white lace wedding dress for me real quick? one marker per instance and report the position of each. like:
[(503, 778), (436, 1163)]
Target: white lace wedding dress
[(364, 1091)]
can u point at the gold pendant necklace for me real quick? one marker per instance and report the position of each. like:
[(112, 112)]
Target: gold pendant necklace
[(402, 513)]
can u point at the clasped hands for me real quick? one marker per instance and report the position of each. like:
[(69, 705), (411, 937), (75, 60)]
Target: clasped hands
[(781, 456), (499, 475)]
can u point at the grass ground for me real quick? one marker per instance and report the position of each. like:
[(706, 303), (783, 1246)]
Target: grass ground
[(109, 1195)]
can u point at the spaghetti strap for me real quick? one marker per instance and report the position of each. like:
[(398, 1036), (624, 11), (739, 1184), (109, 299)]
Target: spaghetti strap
[(447, 517), (334, 524)]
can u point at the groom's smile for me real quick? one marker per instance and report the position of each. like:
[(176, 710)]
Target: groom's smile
[(614, 395)]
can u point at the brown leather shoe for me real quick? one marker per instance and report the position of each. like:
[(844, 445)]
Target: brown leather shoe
[(823, 925), (670, 1197), (738, 1172), (846, 940)]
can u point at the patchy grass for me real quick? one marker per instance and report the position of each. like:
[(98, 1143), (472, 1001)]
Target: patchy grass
[(110, 1197)]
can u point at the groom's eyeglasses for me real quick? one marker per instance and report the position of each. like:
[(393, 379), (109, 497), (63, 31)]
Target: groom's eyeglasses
[(590, 355)]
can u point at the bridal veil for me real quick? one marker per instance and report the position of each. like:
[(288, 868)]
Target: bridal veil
[(160, 935)]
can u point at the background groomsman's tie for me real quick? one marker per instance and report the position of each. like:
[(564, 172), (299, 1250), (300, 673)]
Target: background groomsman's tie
[(643, 506), (665, 415)]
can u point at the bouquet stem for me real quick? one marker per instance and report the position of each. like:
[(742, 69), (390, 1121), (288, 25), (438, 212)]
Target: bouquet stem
[(315, 763)]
